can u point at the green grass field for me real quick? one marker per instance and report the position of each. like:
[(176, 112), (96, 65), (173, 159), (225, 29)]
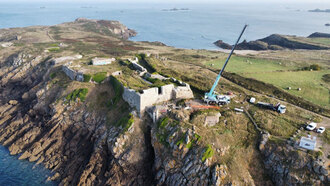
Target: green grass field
[(313, 88), (324, 41), (250, 65), (280, 74)]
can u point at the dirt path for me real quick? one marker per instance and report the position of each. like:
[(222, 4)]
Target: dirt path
[(50, 37)]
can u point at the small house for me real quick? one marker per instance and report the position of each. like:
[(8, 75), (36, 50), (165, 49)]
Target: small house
[(102, 61)]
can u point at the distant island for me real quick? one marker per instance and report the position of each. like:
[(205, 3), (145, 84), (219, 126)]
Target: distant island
[(176, 9), (327, 24), (319, 10)]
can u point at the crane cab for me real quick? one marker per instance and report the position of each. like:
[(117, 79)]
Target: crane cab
[(216, 99)]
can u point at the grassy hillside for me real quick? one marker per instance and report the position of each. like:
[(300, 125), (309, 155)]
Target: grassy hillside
[(313, 88), (282, 74)]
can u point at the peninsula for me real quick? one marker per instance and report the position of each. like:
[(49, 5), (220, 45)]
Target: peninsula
[(94, 107)]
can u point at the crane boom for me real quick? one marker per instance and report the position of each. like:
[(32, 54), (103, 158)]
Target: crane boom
[(210, 94)]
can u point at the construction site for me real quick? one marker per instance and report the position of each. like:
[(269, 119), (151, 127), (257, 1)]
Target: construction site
[(102, 110)]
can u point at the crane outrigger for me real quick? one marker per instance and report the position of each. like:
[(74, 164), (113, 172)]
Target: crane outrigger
[(211, 97)]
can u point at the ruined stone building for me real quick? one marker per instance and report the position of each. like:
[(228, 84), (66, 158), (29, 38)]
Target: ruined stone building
[(155, 95)]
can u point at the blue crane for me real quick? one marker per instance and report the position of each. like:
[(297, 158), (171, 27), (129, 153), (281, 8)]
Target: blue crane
[(211, 97)]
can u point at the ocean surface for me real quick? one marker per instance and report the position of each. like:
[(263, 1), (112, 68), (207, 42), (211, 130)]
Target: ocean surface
[(196, 28), (14, 172)]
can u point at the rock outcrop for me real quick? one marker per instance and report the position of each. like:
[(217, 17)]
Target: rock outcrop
[(287, 165), (319, 34), (223, 45), (114, 27), (276, 42), (78, 144)]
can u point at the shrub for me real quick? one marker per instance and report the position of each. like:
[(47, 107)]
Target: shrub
[(87, 77), (99, 77), (55, 49), (326, 78), (163, 122), (180, 141), (125, 122), (53, 45), (181, 102), (118, 88), (315, 67), (77, 93), (208, 153), (52, 75)]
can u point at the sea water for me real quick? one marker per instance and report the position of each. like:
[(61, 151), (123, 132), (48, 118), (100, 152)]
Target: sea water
[(196, 28), (14, 172)]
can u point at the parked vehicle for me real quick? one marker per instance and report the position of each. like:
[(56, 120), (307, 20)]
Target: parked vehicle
[(252, 100), (278, 107), (320, 130), (311, 126)]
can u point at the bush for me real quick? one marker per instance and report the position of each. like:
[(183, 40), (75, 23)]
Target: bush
[(118, 88), (125, 122), (77, 93), (208, 153), (54, 49), (163, 122), (87, 77), (99, 77), (52, 75), (326, 78), (315, 67)]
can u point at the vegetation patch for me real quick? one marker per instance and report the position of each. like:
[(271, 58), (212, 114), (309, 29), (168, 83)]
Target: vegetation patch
[(87, 77), (125, 122), (163, 122), (326, 136), (54, 49), (99, 77), (77, 93), (315, 67), (144, 62), (326, 78), (265, 88), (118, 88), (208, 152), (52, 75)]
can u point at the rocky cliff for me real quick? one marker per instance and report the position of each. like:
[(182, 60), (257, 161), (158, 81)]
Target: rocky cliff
[(278, 42), (88, 135), (80, 146)]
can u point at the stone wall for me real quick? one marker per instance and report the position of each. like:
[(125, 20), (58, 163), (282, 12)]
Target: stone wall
[(72, 74), (151, 96), (139, 67), (183, 92), (132, 98)]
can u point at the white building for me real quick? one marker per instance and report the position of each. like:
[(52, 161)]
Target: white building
[(102, 61)]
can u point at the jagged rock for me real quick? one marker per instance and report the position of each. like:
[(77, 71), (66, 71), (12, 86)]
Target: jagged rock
[(13, 102), (17, 59)]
